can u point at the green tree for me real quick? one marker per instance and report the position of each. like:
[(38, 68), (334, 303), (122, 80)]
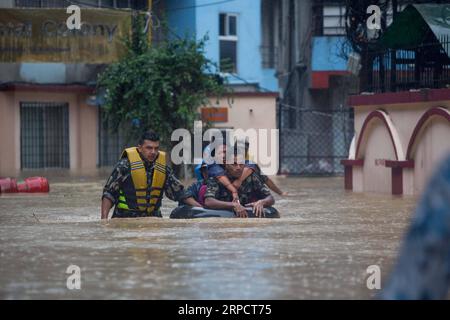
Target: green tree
[(158, 87)]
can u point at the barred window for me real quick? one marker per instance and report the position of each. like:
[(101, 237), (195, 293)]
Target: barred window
[(121, 4), (228, 39), (44, 135), (42, 3)]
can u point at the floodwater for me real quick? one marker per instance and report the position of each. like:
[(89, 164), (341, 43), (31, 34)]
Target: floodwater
[(319, 249)]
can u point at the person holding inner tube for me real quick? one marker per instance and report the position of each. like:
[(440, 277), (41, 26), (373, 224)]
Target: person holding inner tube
[(203, 171), (197, 189), (252, 167), (139, 180), (218, 171), (252, 191)]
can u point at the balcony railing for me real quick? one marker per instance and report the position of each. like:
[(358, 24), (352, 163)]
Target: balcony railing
[(424, 66)]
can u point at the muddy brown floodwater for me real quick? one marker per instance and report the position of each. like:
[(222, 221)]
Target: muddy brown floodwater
[(320, 248)]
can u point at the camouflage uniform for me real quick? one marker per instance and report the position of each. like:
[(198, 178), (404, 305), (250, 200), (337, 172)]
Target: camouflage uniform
[(252, 189), (173, 188), (257, 170), (217, 170), (194, 191)]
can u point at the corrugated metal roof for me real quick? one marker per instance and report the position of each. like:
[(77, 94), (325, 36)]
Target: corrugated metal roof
[(416, 24)]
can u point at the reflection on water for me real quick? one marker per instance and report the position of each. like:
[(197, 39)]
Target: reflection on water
[(320, 248)]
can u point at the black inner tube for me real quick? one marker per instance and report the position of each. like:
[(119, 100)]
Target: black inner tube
[(188, 212)]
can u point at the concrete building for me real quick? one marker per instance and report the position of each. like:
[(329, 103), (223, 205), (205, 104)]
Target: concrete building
[(235, 36), (400, 140), (49, 113), (402, 127), (50, 116), (304, 42)]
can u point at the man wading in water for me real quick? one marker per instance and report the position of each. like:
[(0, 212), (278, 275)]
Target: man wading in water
[(138, 181), (252, 192)]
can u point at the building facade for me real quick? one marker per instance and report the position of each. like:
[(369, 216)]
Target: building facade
[(402, 120), (304, 42), (234, 43), (50, 116)]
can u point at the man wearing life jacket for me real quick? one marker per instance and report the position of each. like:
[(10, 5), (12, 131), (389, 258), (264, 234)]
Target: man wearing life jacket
[(139, 180)]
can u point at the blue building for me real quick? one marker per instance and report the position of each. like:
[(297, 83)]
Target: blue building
[(235, 43), (235, 37)]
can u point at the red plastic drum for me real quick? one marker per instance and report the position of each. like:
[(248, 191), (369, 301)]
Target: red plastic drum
[(8, 185), (34, 184)]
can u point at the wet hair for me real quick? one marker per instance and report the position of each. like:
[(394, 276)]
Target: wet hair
[(149, 135), (204, 172)]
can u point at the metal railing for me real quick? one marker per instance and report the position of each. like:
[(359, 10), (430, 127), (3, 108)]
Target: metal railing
[(424, 66), (109, 4), (312, 141), (44, 135)]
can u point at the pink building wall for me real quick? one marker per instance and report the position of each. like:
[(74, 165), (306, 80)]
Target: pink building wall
[(83, 127), (246, 110), (399, 140)]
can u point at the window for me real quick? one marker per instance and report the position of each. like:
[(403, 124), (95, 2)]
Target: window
[(333, 20), (268, 48), (41, 3), (44, 135), (228, 42), (121, 4), (329, 18)]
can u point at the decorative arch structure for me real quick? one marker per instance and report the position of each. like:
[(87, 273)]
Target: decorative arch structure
[(392, 130), (421, 137), (396, 165), (421, 126)]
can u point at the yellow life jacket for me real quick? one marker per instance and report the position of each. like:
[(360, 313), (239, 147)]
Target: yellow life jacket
[(141, 197)]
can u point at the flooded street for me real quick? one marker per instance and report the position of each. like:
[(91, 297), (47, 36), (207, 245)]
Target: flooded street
[(320, 248)]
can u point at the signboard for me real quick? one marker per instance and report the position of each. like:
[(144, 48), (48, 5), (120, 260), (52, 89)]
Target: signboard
[(41, 35), (215, 114)]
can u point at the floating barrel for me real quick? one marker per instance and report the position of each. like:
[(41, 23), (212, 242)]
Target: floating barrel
[(188, 212), (34, 185), (8, 185)]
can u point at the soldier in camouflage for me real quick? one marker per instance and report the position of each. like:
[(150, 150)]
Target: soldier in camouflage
[(252, 192), (148, 150)]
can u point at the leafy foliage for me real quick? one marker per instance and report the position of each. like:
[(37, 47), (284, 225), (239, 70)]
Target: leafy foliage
[(158, 87)]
